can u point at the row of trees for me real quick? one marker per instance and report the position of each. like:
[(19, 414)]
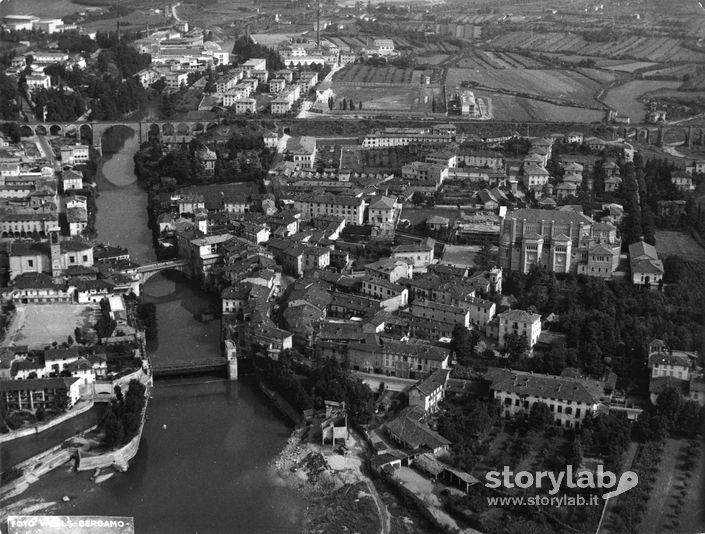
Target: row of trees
[(343, 104), (245, 49), (123, 417)]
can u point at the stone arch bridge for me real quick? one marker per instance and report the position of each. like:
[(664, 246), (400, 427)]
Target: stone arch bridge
[(665, 135), (150, 269), (95, 129)]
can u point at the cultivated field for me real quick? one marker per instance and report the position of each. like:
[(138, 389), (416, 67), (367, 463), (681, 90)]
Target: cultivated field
[(659, 49), (568, 86), (433, 60), (678, 71), (521, 109), (670, 243), (484, 59), (625, 98), (367, 74)]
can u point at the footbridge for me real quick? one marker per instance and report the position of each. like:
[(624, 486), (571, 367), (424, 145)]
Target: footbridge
[(150, 269)]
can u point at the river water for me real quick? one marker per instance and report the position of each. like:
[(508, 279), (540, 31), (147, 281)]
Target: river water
[(204, 463)]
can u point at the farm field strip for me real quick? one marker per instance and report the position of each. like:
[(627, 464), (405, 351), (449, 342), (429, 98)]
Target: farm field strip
[(654, 49), (631, 66)]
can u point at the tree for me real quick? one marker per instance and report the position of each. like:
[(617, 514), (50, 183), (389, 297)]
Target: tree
[(119, 397), (576, 453), (691, 419), (359, 105), (345, 105), (515, 345), (418, 198), (462, 343), (540, 416), (112, 428), (668, 405)]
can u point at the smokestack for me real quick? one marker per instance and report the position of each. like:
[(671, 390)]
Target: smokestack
[(318, 27)]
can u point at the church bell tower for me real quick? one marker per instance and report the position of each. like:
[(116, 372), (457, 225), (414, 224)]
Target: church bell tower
[(55, 250)]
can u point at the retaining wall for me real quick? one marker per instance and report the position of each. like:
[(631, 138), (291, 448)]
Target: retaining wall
[(4, 438), (120, 458)]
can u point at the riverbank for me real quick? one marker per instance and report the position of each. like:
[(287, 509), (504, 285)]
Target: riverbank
[(338, 493)]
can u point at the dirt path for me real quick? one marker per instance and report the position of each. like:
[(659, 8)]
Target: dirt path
[(382, 508)]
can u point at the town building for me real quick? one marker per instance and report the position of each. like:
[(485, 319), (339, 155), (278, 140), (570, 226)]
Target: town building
[(570, 400), (520, 323), (421, 255), (428, 393), (645, 265), (31, 394), (352, 209), (53, 257), (559, 240)]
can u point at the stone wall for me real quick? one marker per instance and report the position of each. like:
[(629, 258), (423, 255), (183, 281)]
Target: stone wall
[(36, 429)]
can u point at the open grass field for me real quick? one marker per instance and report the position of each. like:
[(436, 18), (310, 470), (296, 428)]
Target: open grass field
[(414, 97), (565, 85), (670, 243), (358, 73), (39, 326), (625, 97)]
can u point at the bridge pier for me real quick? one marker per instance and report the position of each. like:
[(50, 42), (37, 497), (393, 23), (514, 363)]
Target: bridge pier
[(231, 356)]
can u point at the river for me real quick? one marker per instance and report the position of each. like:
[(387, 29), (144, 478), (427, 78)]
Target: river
[(204, 463)]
